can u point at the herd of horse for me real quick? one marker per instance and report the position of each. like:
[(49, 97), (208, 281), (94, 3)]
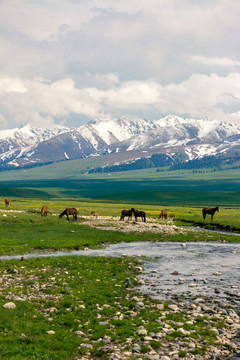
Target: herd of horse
[(125, 213)]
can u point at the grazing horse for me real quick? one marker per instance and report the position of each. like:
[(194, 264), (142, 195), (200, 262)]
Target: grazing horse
[(140, 214), (7, 202), (94, 213), (210, 211), (163, 214), (69, 211), (127, 213), (172, 216), (44, 211)]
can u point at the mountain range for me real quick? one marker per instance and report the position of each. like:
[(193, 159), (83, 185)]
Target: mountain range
[(195, 138)]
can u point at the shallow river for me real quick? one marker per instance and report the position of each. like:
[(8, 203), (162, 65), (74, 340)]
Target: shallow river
[(170, 269)]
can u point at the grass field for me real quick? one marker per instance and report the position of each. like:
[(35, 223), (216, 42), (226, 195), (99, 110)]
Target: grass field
[(72, 307), (141, 187), (68, 308), (27, 231)]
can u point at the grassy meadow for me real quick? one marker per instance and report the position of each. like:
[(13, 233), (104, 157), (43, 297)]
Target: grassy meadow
[(24, 230), (149, 186), (73, 307)]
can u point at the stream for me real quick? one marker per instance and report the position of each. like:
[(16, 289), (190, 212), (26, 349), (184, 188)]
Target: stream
[(171, 269)]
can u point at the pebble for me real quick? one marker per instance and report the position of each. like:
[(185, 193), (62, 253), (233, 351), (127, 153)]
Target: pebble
[(9, 305), (142, 332), (79, 333)]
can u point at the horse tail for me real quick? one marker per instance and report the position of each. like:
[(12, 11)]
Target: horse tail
[(203, 213), (144, 217)]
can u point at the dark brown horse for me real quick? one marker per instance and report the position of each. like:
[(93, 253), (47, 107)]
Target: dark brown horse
[(7, 202), (69, 211), (44, 211), (210, 211), (127, 213), (163, 214), (140, 214)]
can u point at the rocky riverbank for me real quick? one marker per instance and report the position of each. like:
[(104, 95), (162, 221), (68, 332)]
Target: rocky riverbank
[(196, 330)]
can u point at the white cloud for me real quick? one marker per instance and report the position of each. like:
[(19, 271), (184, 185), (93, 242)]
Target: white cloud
[(40, 102), (63, 57), (223, 61)]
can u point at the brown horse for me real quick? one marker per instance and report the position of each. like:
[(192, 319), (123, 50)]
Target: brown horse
[(127, 213), (69, 211), (163, 214), (94, 213), (44, 211), (140, 214), (7, 202), (172, 216), (210, 211)]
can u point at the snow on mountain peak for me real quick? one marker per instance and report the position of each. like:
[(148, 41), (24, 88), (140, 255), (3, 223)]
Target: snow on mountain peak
[(106, 134)]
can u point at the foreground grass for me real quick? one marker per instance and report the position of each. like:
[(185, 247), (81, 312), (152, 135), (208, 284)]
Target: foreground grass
[(63, 296), (68, 307)]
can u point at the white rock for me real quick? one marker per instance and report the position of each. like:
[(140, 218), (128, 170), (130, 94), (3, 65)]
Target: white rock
[(173, 307), (9, 305), (79, 333)]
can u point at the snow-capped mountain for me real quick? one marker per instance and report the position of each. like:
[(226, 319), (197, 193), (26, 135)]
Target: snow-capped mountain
[(28, 145), (17, 143)]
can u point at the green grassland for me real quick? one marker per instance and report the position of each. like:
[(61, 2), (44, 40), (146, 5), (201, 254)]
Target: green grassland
[(27, 231), (71, 307), (66, 308), (140, 186)]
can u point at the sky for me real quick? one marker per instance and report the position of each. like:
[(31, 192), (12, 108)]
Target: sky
[(70, 61)]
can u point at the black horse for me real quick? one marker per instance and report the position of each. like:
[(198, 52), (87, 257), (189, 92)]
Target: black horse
[(69, 211), (140, 214), (210, 211), (127, 213)]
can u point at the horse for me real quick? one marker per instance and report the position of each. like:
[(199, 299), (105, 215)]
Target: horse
[(172, 216), (140, 214), (163, 214), (7, 202), (94, 213), (210, 211), (127, 213), (69, 211), (44, 211)]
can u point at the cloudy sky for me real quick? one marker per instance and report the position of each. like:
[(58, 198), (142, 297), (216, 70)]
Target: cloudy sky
[(68, 61)]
